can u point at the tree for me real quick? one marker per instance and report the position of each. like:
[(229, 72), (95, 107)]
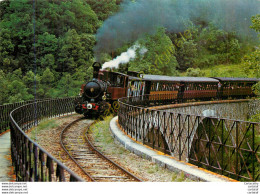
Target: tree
[(57, 17), (159, 58), (47, 80), (54, 19), (86, 21), (220, 46), (47, 47), (18, 21), (103, 8), (67, 87), (251, 64), (18, 92), (251, 61), (256, 89), (30, 80), (191, 72), (186, 55), (256, 23), (76, 50), (3, 88), (7, 62)]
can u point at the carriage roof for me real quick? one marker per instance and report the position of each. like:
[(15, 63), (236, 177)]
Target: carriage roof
[(179, 79), (230, 79)]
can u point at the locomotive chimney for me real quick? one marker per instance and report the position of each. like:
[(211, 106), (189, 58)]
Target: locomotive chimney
[(96, 67)]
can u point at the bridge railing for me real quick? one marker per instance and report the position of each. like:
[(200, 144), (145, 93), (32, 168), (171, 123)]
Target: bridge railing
[(225, 146), (31, 161), (5, 111)]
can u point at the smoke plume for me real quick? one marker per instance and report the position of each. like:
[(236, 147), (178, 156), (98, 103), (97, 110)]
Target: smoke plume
[(139, 17), (125, 57)]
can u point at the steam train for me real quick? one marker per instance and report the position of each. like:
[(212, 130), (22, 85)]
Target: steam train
[(106, 87)]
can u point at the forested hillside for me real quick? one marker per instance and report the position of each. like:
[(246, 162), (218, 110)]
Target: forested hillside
[(50, 45)]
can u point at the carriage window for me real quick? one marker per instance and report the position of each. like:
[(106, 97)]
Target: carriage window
[(152, 87), (170, 88), (191, 86), (116, 80), (158, 87), (163, 87)]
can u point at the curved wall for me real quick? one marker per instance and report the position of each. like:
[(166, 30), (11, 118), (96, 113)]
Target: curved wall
[(230, 109)]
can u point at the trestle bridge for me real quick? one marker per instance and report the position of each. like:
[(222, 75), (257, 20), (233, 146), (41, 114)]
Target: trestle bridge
[(226, 146)]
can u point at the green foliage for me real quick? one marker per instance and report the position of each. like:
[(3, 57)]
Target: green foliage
[(191, 72), (205, 47), (103, 8), (59, 27), (256, 23), (64, 41), (256, 89), (66, 86), (255, 118), (57, 17), (251, 64), (47, 82), (18, 92), (7, 61), (157, 60), (187, 54), (44, 126), (47, 47), (76, 51), (226, 70), (218, 46), (3, 88), (30, 80)]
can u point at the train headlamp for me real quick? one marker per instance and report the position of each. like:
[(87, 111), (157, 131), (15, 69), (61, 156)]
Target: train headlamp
[(89, 106)]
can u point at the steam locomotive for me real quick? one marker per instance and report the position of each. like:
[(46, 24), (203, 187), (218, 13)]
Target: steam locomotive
[(107, 87)]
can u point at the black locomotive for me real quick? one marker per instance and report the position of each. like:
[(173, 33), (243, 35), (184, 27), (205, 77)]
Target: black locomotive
[(93, 95)]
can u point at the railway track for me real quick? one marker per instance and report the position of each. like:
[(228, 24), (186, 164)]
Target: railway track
[(94, 165)]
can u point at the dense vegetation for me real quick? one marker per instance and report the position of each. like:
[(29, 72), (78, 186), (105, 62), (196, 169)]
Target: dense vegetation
[(57, 58)]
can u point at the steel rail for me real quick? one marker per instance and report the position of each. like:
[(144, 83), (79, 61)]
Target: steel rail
[(106, 158), (64, 148), (90, 145)]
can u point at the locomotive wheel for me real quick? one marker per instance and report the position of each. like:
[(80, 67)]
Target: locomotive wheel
[(78, 109), (103, 107), (86, 115), (91, 116)]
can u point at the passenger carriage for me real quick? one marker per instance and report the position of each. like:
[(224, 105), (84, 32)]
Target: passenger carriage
[(236, 87)]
